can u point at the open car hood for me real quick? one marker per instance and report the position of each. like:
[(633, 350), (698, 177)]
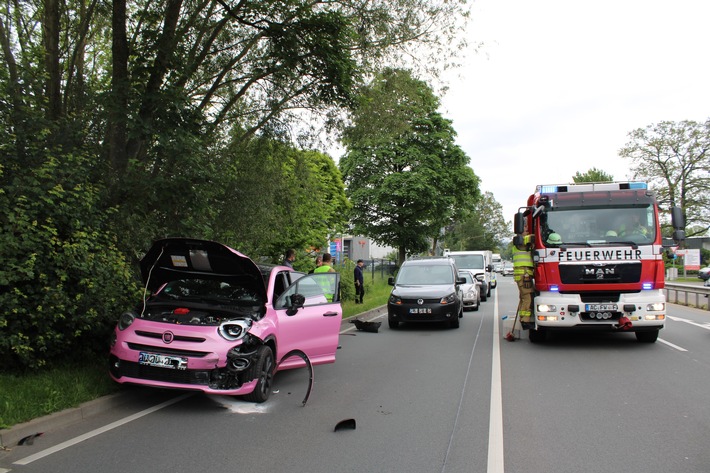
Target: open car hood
[(171, 259)]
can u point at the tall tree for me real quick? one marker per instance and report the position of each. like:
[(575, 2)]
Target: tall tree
[(674, 157), (592, 175), (404, 174), (484, 228)]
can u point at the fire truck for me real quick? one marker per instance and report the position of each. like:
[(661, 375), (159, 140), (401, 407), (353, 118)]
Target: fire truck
[(598, 256)]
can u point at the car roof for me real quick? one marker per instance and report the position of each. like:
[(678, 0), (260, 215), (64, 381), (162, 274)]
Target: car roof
[(442, 261)]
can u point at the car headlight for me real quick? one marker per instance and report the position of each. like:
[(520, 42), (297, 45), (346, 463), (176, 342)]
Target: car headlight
[(470, 294), (450, 299), (234, 329), (656, 306), (126, 320), (395, 299), (546, 308)]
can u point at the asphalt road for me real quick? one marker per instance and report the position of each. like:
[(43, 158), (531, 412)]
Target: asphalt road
[(426, 398)]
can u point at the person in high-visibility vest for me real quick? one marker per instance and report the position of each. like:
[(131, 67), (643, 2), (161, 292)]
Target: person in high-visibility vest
[(523, 269)]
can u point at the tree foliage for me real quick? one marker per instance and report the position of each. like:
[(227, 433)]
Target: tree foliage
[(173, 118), (485, 228), (674, 158), (592, 175), (404, 174)]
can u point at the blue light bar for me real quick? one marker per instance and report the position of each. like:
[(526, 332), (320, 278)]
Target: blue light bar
[(548, 189), (647, 285), (638, 185), (555, 288)]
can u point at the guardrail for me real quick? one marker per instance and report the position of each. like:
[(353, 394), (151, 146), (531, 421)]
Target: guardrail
[(685, 293)]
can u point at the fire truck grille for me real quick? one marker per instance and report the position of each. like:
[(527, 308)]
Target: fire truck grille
[(600, 273)]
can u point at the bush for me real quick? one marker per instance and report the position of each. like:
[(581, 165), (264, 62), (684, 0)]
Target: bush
[(63, 281)]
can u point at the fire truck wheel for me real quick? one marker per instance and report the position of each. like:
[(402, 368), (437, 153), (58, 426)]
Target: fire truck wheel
[(647, 337), (538, 335)]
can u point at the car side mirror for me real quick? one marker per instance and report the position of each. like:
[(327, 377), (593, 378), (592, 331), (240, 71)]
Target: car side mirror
[(297, 302), (460, 280), (390, 281)]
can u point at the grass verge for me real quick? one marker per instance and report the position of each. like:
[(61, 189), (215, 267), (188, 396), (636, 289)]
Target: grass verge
[(36, 394)]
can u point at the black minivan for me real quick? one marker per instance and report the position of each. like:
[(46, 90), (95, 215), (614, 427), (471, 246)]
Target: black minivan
[(426, 290)]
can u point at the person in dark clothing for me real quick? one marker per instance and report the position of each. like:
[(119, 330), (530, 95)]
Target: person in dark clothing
[(359, 282), (290, 256)]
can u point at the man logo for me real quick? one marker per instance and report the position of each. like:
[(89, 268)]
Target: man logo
[(600, 273), (420, 301), (168, 337)]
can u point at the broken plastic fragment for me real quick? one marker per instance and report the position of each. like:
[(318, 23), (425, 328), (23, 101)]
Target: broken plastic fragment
[(345, 424)]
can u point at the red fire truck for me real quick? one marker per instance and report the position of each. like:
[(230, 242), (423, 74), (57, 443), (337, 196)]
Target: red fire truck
[(598, 254)]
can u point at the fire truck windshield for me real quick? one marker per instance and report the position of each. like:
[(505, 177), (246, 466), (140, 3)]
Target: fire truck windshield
[(598, 226)]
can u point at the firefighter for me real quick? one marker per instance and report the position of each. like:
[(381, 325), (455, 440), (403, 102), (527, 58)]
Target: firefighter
[(523, 276)]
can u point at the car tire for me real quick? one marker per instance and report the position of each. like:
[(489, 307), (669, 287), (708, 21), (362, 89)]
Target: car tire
[(263, 371), (454, 322), (647, 337), (538, 335), (394, 324)]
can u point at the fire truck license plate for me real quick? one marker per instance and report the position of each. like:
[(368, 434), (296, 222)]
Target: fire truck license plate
[(598, 307)]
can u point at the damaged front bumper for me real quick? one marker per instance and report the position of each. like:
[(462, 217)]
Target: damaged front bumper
[(182, 368)]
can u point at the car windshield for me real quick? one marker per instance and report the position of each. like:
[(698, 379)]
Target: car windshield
[(209, 291), (598, 226), (420, 274), (468, 261)]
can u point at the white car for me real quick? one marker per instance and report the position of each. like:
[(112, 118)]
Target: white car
[(471, 290), (704, 273)]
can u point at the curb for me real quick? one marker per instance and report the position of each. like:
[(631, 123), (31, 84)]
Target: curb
[(9, 437)]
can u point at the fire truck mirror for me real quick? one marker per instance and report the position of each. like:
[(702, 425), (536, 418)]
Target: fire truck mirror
[(519, 223), (677, 218), (678, 236)]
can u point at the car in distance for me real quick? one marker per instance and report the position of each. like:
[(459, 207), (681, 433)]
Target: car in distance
[(704, 273), (471, 290), (426, 290), (216, 322), (507, 268)]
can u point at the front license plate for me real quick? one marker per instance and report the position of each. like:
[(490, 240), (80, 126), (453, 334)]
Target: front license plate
[(420, 310), (162, 361), (598, 307)]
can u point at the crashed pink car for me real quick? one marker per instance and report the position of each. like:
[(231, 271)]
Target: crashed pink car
[(219, 323)]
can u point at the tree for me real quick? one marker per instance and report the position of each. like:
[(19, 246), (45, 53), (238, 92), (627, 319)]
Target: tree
[(593, 175), (405, 176), (484, 228), (674, 158)]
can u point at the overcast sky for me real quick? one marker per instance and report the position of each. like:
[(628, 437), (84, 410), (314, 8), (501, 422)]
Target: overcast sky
[(558, 85)]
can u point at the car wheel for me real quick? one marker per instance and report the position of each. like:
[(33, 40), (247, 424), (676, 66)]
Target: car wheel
[(454, 322), (394, 324), (263, 371), (538, 335), (647, 337)]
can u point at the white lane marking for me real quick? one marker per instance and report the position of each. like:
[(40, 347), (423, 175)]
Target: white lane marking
[(690, 322), (671, 345), (100, 430), (495, 423)]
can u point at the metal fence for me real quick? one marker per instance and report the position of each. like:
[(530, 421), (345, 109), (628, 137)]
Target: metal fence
[(688, 294)]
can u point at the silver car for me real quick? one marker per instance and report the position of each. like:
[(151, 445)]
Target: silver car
[(471, 290)]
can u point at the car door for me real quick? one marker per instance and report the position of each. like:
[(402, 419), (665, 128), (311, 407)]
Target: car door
[(314, 327)]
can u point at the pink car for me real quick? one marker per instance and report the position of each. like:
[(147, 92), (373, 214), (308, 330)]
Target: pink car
[(217, 322)]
